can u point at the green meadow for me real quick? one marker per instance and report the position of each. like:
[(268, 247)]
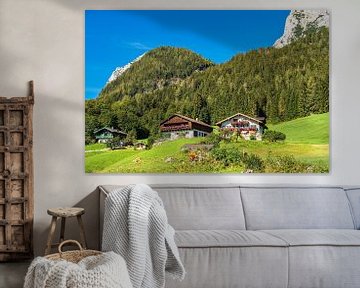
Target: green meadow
[(96, 146), (306, 146), (313, 129)]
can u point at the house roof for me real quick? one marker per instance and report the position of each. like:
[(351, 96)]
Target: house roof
[(187, 119), (112, 130), (243, 115)]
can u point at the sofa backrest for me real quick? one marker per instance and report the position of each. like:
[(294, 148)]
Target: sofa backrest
[(196, 207), (354, 198), (203, 208), (296, 208), (211, 207)]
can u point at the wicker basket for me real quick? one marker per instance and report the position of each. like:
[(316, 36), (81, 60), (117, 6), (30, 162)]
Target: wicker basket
[(72, 256)]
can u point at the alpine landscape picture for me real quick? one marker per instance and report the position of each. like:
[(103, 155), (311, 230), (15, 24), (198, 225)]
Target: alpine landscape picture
[(207, 91)]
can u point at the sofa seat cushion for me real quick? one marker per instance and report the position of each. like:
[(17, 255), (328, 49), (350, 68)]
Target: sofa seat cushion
[(323, 258), (225, 238), (317, 237), (233, 267)]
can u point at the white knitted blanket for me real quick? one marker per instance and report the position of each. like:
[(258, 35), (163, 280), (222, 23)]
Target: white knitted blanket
[(103, 271), (136, 227)]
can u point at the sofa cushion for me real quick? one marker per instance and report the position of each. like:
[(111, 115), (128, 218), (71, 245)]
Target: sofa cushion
[(296, 208), (324, 266), (220, 267), (327, 258), (226, 238), (354, 198), (203, 208), (191, 207), (338, 237)]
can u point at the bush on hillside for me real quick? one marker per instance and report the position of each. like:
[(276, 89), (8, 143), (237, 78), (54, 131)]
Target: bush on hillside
[(227, 155), (273, 136), (253, 163), (130, 138), (234, 156), (213, 139), (115, 143), (89, 140), (288, 164), (150, 142)]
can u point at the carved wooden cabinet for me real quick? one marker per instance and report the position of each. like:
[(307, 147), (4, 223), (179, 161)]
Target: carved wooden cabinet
[(16, 177)]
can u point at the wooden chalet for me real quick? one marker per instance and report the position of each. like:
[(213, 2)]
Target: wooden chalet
[(182, 126), (104, 134), (247, 126)]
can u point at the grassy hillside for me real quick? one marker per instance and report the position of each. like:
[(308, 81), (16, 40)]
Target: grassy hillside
[(313, 129), (168, 157), (130, 160), (96, 146), (307, 141)]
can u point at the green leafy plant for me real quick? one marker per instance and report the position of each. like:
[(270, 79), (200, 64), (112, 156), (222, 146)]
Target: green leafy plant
[(273, 136), (115, 143), (288, 164), (150, 142), (130, 138), (213, 139), (227, 155), (253, 162)]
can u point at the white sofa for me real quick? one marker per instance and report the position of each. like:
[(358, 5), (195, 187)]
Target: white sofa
[(262, 236)]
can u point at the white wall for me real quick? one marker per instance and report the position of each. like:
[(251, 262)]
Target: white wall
[(43, 40)]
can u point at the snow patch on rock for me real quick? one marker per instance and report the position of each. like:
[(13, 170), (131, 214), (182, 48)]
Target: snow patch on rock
[(120, 70)]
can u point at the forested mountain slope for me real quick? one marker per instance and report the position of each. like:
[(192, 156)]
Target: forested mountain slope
[(281, 84)]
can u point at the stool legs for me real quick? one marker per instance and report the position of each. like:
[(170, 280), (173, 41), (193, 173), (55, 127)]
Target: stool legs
[(51, 235), (62, 230), (64, 213), (82, 231)]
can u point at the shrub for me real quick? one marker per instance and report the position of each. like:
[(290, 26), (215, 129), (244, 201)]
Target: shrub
[(273, 136), (253, 162), (227, 155), (288, 164), (235, 156), (285, 164), (213, 139), (89, 140), (235, 136), (225, 133), (115, 143), (206, 166), (130, 138), (150, 142)]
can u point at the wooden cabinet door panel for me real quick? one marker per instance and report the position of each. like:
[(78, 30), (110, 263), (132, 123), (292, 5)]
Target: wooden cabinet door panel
[(16, 178)]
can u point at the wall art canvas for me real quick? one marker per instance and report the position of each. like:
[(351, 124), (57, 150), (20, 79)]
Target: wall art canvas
[(200, 91)]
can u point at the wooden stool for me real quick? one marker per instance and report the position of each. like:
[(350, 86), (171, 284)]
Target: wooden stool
[(64, 213)]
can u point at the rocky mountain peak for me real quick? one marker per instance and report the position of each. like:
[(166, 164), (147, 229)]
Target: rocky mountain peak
[(120, 70), (301, 21)]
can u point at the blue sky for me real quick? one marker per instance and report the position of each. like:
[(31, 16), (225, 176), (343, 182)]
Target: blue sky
[(114, 38)]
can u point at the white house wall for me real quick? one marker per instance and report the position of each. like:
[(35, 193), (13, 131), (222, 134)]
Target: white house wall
[(227, 123)]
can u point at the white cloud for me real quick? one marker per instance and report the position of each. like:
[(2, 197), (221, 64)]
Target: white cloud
[(139, 46)]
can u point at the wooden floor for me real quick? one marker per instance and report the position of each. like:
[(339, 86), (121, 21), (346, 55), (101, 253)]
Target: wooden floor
[(12, 274)]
